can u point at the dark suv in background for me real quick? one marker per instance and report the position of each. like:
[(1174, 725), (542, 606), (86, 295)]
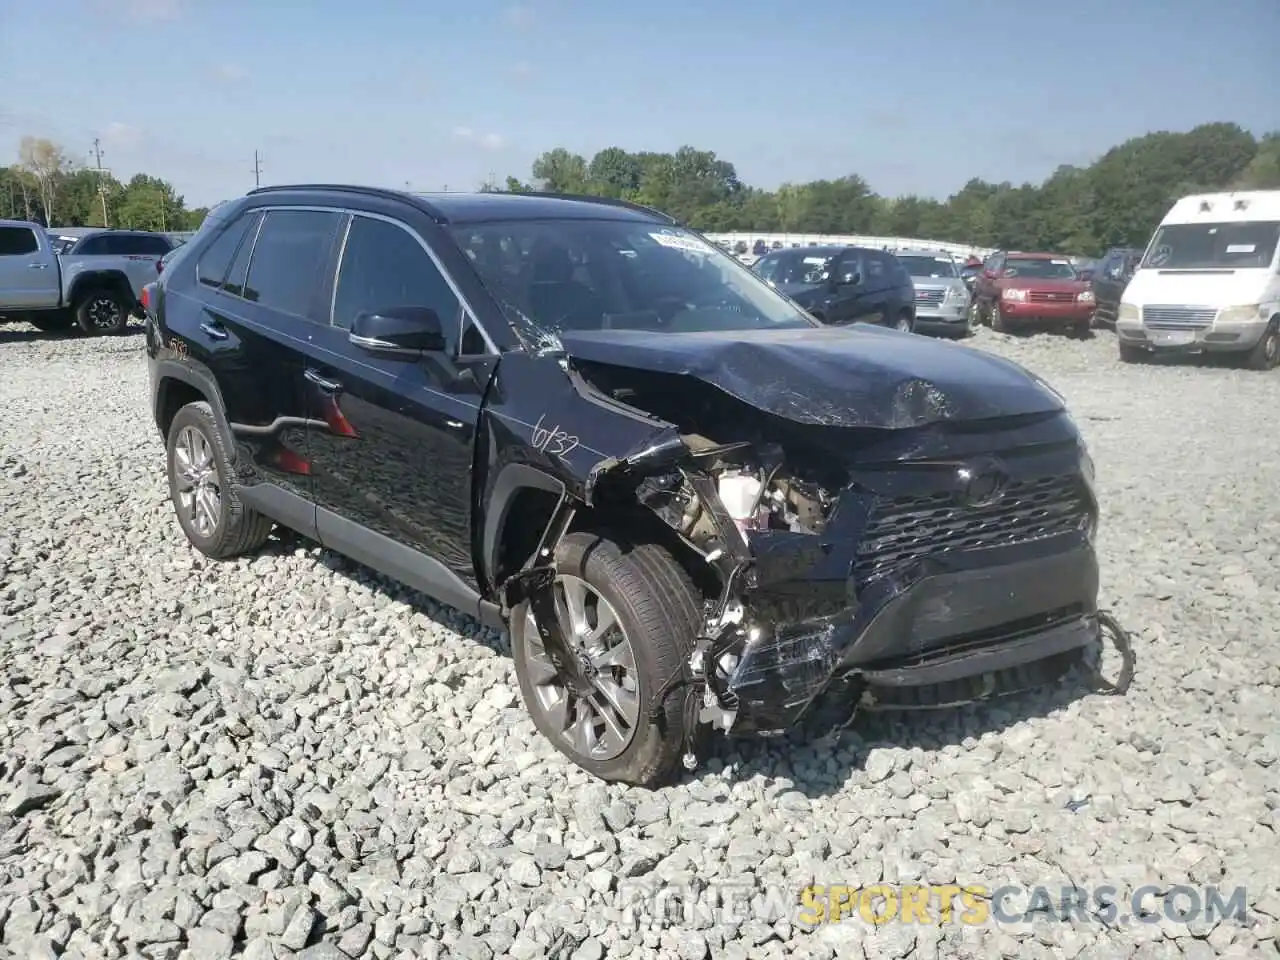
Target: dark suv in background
[(840, 285), (693, 507), (1111, 275)]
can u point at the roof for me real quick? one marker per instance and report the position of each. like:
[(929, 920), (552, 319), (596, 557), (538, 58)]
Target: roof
[(1246, 205), (1021, 255), (460, 208), (20, 223)]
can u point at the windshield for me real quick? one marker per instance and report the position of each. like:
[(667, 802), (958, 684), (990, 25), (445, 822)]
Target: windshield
[(919, 266), (797, 267), (557, 275), (1207, 246), (1038, 269)]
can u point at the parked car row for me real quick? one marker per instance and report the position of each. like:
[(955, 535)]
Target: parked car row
[(93, 281)]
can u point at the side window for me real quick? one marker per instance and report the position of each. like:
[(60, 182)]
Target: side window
[(288, 259), (851, 267), (876, 272), (239, 272), (18, 241), (212, 266), (473, 343), (766, 267), (136, 246), (92, 246), (383, 265)]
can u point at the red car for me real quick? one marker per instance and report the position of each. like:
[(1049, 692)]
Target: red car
[(1044, 289)]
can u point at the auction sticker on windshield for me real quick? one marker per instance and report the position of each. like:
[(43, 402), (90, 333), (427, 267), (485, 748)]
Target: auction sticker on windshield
[(676, 242)]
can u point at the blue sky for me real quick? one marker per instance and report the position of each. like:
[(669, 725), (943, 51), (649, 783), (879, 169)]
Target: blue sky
[(915, 95)]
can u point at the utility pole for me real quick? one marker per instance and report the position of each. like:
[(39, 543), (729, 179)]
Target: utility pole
[(102, 188), (257, 169)]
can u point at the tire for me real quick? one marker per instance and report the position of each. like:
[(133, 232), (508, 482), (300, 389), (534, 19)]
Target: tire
[(998, 322), (1265, 354), (658, 608), (905, 322), (1131, 354), (103, 310), (236, 529), (54, 321), (975, 315)]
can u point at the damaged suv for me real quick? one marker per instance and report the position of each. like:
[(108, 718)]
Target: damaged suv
[(694, 507)]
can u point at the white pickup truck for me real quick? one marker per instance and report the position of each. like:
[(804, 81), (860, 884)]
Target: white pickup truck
[(95, 283)]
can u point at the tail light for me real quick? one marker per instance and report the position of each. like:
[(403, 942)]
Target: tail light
[(146, 297)]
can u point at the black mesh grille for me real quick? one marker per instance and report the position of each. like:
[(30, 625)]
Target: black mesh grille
[(901, 530)]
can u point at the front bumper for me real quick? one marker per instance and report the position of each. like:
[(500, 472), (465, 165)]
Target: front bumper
[(912, 599), (941, 318), (1063, 313), (1216, 337)]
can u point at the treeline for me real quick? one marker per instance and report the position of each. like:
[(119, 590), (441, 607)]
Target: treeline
[(1116, 201), (45, 186)]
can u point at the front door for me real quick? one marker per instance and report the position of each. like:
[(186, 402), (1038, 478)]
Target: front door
[(392, 462), (28, 271)]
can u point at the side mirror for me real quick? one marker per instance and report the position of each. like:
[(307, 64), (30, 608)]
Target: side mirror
[(399, 332), (989, 274)]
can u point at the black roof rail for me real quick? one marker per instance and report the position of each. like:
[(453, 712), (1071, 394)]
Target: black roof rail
[(613, 202), (383, 192)]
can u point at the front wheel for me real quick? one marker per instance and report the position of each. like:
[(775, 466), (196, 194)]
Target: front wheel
[(103, 310), (1131, 354), (1265, 354), (630, 616), (998, 322)]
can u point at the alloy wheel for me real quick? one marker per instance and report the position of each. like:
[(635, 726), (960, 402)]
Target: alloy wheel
[(598, 722), (105, 313), (196, 481), (904, 323)]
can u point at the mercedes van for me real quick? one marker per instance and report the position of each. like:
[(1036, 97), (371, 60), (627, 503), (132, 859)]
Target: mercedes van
[(1208, 282)]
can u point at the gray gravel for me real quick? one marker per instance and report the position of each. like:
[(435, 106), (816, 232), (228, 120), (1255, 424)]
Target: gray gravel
[(288, 757)]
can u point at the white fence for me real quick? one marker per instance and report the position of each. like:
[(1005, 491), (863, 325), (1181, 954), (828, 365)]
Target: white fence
[(850, 240)]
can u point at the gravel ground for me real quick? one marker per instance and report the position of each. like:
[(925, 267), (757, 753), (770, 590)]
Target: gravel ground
[(287, 756)]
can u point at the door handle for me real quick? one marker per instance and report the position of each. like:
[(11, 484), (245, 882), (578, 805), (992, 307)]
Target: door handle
[(37, 266), (332, 386), (214, 330), (454, 424)]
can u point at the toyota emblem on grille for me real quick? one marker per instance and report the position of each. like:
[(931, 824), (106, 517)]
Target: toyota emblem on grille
[(979, 485)]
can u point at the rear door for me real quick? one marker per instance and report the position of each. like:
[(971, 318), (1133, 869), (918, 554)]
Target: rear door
[(254, 332), (28, 270), (392, 443)]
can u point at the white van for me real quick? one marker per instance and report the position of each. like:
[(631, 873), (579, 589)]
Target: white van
[(1209, 281)]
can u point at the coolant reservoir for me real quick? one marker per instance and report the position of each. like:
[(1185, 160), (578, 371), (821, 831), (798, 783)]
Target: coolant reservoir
[(738, 492)]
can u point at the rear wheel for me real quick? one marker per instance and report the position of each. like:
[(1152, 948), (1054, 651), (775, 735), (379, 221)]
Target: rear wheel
[(905, 323), (209, 510), (103, 310), (630, 615), (998, 322)]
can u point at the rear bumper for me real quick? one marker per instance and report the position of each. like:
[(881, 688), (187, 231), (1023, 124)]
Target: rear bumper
[(941, 318)]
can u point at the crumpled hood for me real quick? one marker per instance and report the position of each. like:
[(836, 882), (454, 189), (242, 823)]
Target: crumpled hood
[(857, 376)]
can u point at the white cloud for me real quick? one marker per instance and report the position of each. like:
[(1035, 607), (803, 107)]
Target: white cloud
[(489, 141), (518, 15), (230, 72)]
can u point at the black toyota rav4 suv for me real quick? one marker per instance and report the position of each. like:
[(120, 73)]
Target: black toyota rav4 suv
[(693, 506)]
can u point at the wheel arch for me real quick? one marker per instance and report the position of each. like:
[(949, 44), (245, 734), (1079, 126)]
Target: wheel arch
[(94, 279), (178, 384)]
